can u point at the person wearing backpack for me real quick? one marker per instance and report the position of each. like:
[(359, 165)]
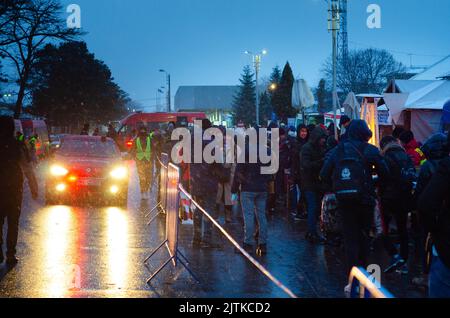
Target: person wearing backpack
[(434, 211), (396, 195), (349, 169)]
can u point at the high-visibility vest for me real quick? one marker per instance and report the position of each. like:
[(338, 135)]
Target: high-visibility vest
[(140, 153)]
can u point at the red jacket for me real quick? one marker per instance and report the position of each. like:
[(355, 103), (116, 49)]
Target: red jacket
[(413, 150)]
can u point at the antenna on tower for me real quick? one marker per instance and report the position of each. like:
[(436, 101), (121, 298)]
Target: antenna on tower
[(342, 33)]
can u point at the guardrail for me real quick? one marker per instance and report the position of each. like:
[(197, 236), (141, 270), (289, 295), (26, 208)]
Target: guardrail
[(364, 285), (170, 205)]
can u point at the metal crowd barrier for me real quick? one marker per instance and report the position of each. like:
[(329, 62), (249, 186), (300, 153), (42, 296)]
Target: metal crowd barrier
[(172, 199), (161, 206), (364, 285)]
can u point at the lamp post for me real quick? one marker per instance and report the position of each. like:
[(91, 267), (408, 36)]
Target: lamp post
[(333, 26), (257, 63), (168, 89)]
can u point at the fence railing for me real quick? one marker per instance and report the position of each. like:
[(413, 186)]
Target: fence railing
[(169, 203), (364, 285)]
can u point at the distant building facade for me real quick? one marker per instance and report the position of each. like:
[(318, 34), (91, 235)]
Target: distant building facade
[(215, 101)]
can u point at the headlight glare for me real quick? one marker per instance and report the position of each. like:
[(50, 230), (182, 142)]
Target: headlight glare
[(58, 171), (119, 173)]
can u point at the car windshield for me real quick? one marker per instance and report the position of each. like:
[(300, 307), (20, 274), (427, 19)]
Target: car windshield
[(88, 148)]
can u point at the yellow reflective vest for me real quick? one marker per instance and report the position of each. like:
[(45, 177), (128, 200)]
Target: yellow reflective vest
[(140, 153)]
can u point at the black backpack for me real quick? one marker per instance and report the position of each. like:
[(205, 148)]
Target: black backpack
[(402, 171), (349, 177)]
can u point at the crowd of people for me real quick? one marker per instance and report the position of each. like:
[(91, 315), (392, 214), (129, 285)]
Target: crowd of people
[(396, 194), (349, 192)]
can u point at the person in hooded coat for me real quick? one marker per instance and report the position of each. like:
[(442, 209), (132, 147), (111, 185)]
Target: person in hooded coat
[(302, 139), (13, 166), (396, 195), (357, 216), (435, 150), (311, 160), (434, 211)]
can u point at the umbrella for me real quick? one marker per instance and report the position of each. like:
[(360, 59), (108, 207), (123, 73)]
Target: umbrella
[(351, 106)]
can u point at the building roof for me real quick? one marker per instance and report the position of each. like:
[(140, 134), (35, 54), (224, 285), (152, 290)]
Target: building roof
[(203, 98), (440, 70)]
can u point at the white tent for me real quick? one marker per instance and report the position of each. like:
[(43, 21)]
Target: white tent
[(419, 103)]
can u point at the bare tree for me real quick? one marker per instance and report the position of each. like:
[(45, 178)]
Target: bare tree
[(27, 26), (366, 71)]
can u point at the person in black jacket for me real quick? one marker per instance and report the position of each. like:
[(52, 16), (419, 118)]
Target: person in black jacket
[(204, 184), (311, 161), (13, 166), (434, 211), (302, 139), (357, 215), (396, 195), (435, 150), (253, 186)]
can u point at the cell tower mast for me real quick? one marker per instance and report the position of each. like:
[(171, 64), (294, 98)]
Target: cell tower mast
[(342, 33)]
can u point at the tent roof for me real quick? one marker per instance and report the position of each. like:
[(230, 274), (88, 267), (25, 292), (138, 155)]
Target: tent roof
[(205, 97), (409, 86), (432, 96), (439, 70)]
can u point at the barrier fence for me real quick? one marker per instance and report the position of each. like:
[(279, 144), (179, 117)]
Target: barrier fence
[(171, 206), (364, 285), (161, 205)]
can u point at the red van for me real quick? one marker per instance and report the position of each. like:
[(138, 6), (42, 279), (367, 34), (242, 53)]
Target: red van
[(39, 127), (153, 121)]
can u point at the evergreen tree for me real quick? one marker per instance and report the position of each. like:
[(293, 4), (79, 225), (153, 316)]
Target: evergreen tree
[(244, 105), (265, 108), (282, 96), (70, 87)]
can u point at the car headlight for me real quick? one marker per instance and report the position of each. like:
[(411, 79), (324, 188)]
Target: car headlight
[(119, 173), (58, 171)]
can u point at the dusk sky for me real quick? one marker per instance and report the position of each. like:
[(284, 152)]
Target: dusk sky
[(201, 42)]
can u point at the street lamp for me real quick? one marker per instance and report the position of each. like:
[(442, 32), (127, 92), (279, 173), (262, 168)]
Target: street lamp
[(257, 63), (168, 90)]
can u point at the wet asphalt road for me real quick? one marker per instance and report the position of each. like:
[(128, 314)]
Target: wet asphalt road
[(91, 251)]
